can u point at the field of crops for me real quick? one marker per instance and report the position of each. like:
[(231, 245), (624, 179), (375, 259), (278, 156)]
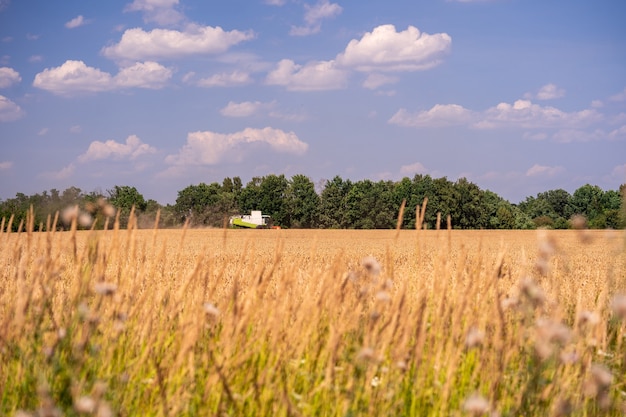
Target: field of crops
[(313, 322)]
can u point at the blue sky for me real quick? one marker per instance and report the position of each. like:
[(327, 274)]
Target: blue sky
[(518, 96)]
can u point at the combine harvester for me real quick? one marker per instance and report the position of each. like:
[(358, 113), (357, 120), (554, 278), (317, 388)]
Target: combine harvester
[(256, 220)]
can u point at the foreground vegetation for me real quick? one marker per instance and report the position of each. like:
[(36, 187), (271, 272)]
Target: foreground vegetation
[(334, 323), (338, 204)]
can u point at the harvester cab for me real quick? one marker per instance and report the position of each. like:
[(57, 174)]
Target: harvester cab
[(255, 220)]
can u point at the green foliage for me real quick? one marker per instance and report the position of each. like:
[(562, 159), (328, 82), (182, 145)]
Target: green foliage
[(363, 204), (303, 203), (333, 203)]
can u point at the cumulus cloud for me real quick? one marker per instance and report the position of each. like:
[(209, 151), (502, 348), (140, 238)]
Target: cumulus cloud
[(162, 12), (619, 96), (76, 22), (6, 165), (314, 15), (243, 109), (8, 77), (577, 135), (251, 108), (210, 148), (385, 49), (547, 92), (226, 79), (553, 123), (111, 149), (75, 77), (137, 44), (523, 113), (596, 104), (619, 172), (415, 168), (143, 75), (438, 116), (382, 50), (544, 171), (618, 134), (314, 76), (62, 174), (9, 111), (376, 80)]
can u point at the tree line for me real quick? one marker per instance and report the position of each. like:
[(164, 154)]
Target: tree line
[(340, 204)]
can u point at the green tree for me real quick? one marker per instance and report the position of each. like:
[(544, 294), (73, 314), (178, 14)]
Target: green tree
[(124, 198), (611, 203), (370, 205), (555, 205), (249, 198), (333, 203), (468, 211), (204, 205), (273, 198), (303, 202), (587, 201)]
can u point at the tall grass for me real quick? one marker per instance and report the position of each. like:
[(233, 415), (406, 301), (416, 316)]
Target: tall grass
[(298, 323)]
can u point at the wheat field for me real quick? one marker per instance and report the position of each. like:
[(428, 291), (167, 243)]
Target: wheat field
[(313, 322)]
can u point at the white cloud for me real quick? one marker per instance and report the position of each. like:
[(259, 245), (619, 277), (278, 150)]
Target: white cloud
[(76, 129), (619, 96), (577, 135), (544, 171), (439, 115), (137, 44), (158, 11), (275, 2), (111, 149), (8, 77), (384, 49), (226, 79), (547, 92), (619, 172), (9, 111), (535, 135), (144, 75), (415, 168), (314, 16), (376, 80), (6, 165), (251, 108), (75, 76), (523, 113), (209, 148), (618, 134), (62, 174), (314, 76), (43, 131), (76, 22), (243, 109), (35, 58), (596, 104)]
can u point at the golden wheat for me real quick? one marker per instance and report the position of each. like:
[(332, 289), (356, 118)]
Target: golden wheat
[(290, 322)]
